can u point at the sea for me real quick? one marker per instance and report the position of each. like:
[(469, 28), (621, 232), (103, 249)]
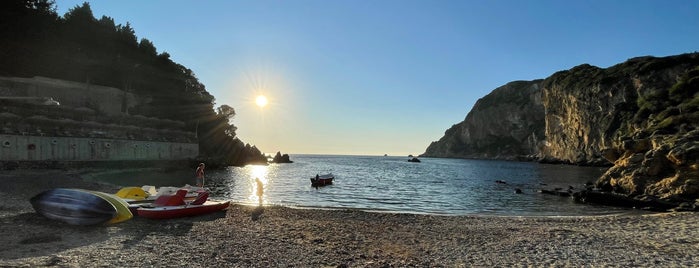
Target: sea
[(435, 186)]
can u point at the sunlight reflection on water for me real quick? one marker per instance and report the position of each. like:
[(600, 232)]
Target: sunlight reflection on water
[(435, 186), (257, 190)]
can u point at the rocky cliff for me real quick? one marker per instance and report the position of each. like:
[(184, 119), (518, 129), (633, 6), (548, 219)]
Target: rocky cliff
[(640, 115), (506, 124)]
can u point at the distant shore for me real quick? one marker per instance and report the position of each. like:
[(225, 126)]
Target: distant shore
[(245, 236)]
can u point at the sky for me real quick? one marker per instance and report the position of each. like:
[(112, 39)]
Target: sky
[(360, 77)]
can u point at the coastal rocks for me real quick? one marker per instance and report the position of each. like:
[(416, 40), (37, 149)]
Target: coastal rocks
[(414, 159), (557, 192), (281, 158), (644, 202), (667, 172), (664, 163)]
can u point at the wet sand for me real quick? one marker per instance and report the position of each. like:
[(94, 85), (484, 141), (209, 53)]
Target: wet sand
[(245, 236)]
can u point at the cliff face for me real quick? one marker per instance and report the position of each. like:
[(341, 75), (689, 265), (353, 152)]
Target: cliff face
[(508, 124), (641, 116), (587, 108)]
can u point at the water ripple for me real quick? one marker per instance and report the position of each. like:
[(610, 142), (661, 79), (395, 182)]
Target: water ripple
[(436, 186)]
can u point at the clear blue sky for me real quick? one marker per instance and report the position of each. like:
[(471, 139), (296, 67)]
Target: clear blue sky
[(373, 77)]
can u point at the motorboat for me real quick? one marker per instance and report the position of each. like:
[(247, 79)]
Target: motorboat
[(322, 180)]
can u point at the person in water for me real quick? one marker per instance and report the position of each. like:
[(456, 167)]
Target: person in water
[(199, 175), (260, 189)]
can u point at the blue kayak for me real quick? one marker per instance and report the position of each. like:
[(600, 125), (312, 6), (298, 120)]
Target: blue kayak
[(73, 206)]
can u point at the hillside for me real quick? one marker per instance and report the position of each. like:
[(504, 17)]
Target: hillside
[(77, 47)]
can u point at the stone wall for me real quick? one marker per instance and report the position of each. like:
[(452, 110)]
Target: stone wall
[(89, 124), (105, 100), (51, 148)]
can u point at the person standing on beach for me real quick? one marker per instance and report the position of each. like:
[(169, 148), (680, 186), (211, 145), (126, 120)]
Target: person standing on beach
[(199, 175)]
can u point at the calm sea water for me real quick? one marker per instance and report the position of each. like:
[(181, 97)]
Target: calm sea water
[(385, 183)]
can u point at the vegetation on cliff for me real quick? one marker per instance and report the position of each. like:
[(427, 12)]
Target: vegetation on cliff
[(657, 153), (78, 47)]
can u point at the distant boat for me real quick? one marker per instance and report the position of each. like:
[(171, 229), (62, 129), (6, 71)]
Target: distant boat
[(322, 180), (414, 159)]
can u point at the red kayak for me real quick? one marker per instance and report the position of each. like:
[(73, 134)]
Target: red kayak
[(174, 206)]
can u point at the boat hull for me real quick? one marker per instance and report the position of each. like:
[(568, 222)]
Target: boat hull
[(321, 182), (73, 206), (171, 212)]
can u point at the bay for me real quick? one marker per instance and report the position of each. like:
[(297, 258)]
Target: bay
[(392, 184)]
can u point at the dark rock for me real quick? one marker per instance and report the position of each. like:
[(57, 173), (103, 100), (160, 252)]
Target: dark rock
[(556, 192), (620, 200), (279, 158)]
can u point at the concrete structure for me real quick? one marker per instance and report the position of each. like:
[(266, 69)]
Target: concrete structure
[(38, 148), (44, 122)]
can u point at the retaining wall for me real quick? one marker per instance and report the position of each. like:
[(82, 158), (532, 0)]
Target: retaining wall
[(49, 148)]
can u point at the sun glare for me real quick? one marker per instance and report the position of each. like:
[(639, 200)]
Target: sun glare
[(261, 101)]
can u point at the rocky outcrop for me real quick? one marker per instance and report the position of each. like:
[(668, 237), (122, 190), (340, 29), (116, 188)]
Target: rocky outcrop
[(588, 109), (640, 115), (507, 124), (657, 153), (281, 158)]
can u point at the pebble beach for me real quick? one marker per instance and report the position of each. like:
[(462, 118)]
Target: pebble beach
[(273, 236)]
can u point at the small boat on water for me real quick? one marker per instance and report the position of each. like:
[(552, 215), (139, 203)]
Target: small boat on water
[(175, 206), (322, 180)]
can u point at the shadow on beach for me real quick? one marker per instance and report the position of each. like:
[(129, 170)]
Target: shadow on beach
[(34, 235), (257, 213), (28, 234)]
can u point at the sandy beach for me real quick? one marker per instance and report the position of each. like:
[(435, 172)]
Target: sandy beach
[(245, 236)]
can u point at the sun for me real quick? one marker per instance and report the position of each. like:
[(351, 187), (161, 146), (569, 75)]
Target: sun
[(261, 101)]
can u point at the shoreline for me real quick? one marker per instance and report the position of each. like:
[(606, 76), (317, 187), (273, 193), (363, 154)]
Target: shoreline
[(274, 236), (627, 212)]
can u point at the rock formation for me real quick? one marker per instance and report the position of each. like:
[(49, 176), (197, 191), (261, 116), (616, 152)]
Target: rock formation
[(506, 124), (640, 115), (281, 158)]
